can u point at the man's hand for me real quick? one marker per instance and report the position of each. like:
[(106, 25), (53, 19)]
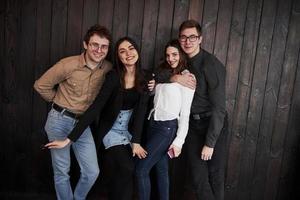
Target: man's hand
[(151, 85), (176, 149), (138, 150), (206, 153), (187, 80), (58, 144)]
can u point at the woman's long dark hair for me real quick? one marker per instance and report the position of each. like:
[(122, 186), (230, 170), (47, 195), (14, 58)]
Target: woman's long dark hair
[(139, 78), (182, 58)]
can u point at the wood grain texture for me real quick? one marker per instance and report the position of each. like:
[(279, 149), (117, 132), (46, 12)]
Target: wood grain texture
[(257, 40)]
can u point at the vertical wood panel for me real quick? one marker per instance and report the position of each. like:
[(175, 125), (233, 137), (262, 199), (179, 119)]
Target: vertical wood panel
[(284, 101), (163, 29), (106, 13), (209, 23), (74, 27), (234, 56), (290, 161), (257, 39), (149, 32), (135, 22), (90, 16), (196, 10), (270, 98), (24, 92), (40, 168), (256, 97), (243, 92), (9, 99), (58, 30), (290, 164), (2, 71), (120, 19), (180, 14), (223, 29)]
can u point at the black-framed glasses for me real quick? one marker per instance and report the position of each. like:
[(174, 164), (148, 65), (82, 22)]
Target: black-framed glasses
[(95, 46), (191, 38)]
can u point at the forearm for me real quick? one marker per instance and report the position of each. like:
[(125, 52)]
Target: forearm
[(47, 92)]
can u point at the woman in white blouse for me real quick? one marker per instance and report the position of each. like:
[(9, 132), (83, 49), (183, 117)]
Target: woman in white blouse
[(168, 125)]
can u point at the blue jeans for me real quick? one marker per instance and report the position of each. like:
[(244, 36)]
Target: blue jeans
[(160, 136), (58, 127)]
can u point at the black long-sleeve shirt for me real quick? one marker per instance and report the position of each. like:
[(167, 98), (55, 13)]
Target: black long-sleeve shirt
[(210, 92)]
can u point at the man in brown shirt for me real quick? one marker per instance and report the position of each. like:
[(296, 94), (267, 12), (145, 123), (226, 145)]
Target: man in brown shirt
[(72, 84)]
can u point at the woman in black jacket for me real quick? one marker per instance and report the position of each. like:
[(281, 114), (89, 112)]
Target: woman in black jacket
[(122, 105)]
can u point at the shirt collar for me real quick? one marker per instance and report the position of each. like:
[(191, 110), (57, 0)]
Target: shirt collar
[(84, 64)]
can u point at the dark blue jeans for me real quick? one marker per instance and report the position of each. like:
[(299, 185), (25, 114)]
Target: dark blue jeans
[(159, 138)]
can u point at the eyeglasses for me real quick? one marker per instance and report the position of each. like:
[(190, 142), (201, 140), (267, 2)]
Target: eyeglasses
[(95, 46), (192, 38)]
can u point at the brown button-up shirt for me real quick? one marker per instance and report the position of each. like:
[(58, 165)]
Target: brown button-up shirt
[(78, 85)]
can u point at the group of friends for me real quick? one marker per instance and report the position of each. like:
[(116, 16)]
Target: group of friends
[(187, 94)]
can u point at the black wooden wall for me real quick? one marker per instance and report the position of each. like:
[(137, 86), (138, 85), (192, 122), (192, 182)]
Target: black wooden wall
[(257, 40)]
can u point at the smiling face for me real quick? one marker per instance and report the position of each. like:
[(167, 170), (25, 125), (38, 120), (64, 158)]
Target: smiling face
[(96, 49), (172, 56), (127, 53), (190, 41)]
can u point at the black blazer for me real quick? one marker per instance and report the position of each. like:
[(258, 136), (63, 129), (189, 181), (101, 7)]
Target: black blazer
[(108, 104)]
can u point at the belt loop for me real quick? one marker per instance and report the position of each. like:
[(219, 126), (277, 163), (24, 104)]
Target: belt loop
[(62, 112), (150, 114)]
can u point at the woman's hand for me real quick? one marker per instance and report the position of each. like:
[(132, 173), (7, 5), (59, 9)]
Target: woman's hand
[(58, 144), (207, 153), (138, 150), (176, 150), (151, 85)]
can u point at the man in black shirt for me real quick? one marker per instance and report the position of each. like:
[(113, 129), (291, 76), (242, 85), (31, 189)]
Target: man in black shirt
[(205, 144)]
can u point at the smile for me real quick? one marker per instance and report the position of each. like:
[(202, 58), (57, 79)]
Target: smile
[(130, 58)]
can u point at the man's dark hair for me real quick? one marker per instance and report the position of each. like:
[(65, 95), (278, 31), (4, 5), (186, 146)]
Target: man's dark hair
[(190, 24), (99, 30)]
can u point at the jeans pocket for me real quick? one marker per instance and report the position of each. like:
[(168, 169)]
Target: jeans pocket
[(158, 128)]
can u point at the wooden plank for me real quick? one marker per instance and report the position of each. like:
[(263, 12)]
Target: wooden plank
[(41, 170), (3, 16), (223, 29), (74, 27), (135, 20), (148, 34), (9, 84), (24, 92), (181, 13), (284, 103), (58, 30), (106, 13), (288, 187), (90, 16), (2, 52), (243, 93), (120, 19), (257, 98), (270, 99), (234, 56), (209, 23), (196, 10), (164, 27)]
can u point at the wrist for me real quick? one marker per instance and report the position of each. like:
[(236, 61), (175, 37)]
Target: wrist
[(174, 78)]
